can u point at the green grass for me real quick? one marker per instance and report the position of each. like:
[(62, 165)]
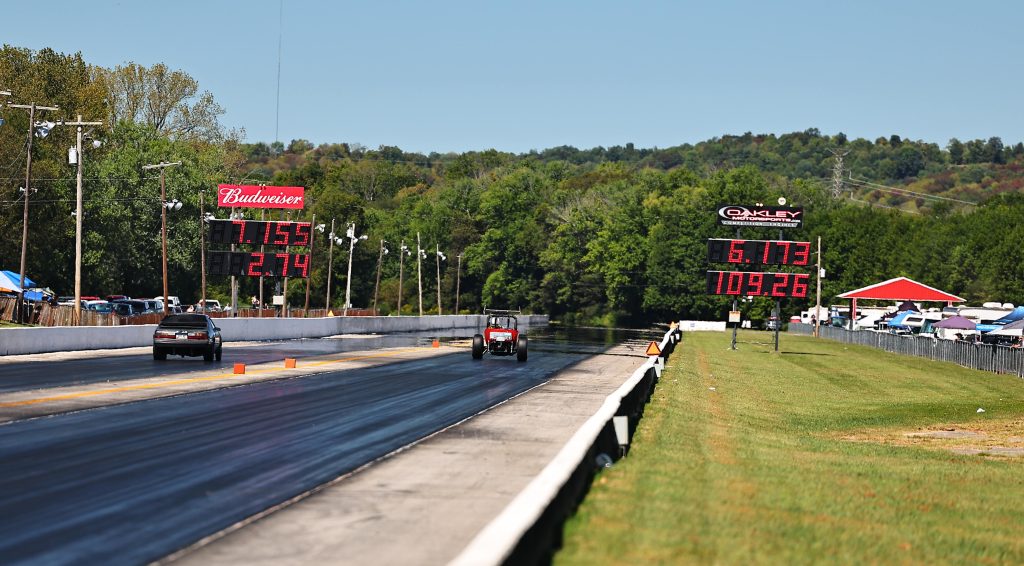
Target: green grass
[(758, 471)]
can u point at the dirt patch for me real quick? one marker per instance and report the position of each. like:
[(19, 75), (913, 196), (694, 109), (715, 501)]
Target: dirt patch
[(995, 438)]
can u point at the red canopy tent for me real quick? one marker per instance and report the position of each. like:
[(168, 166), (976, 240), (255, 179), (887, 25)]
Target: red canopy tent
[(898, 289)]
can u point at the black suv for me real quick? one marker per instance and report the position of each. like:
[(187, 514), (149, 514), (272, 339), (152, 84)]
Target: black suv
[(187, 335)]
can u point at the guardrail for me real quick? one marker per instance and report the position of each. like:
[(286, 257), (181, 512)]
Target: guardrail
[(529, 529), (985, 357)]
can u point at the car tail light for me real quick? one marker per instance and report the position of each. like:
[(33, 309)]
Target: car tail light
[(201, 335), (164, 335)]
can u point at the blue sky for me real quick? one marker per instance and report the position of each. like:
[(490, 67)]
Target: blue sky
[(472, 75)]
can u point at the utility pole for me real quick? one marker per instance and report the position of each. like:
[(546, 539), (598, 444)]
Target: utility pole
[(80, 159), (419, 274), (27, 189), (287, 251), (162, 166), (837, 172), (312, 227), (440, 256), (817, 295), (458, 279), (202, 248), (263, 214), (376, 288)]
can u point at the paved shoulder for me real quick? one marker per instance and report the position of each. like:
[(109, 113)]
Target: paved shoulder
[(424, 505)]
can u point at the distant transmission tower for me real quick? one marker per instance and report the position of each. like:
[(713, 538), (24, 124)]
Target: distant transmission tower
[(837, 172)]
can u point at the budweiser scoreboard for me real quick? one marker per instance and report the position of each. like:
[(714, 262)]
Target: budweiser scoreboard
[(281, 262), (260, 249)]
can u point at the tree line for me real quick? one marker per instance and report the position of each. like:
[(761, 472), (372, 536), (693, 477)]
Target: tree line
[(601, 236)]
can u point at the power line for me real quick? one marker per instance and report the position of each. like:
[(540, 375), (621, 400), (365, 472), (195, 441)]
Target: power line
[(907, 192)]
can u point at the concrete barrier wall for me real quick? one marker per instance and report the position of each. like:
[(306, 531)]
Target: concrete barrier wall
[(67, 338)]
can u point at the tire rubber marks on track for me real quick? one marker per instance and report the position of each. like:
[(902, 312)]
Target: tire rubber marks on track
[(143, 386)]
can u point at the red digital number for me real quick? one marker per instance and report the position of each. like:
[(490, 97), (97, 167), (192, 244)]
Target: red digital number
[(301, 262), (736, 251), (781, 282), (735, 283), (802, 254), (282, 262), (255, 264), (721, 277), (241, 230), (755, 281), (282, 234), (302, 231), (267, 229), (785, 252), (767, 248), (800, 281)]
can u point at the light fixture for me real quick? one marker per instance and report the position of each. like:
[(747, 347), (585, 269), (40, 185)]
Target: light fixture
[(42, 129), (320, 228), (173, 204)]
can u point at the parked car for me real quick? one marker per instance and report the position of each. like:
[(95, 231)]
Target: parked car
[(102, 307), (66, 301), (123, 308), (113, 298), (187, 335)]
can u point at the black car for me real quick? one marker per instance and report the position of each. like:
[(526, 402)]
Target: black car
[(187, 335)]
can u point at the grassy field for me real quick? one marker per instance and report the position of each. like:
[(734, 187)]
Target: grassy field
[(821, 453)]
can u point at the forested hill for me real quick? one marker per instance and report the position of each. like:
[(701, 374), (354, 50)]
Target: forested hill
[(607, 235), (890, 171)]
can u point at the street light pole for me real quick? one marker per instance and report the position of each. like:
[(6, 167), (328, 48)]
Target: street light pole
[(376, 288), (351, 233), (80, 158), (402, 252), (162, 166), (27, 189), (330, 265), (458, 279), (420, 254), (440, 256)]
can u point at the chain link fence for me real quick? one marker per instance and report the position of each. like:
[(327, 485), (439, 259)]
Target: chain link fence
[(973, 355)]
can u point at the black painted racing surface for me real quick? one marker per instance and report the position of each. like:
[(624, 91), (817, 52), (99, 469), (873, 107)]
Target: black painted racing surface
[(131, 483), (27, 376)]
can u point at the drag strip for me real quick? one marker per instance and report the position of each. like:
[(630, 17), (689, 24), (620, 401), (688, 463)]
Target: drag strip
[(45, 371), (133, 482)]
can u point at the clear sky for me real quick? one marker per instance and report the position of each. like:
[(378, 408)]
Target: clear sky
[(520, 75)]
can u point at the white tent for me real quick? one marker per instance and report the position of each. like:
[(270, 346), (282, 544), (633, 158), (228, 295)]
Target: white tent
[(8, 284)]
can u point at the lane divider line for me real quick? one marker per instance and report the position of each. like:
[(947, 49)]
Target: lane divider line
[(82, 394)]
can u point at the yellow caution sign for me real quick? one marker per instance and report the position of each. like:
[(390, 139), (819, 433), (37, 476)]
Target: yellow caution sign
[(330, 313), (653, 349)]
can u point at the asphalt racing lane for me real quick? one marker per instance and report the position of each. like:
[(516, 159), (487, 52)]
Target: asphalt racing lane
[(50, 370), (131, 483)]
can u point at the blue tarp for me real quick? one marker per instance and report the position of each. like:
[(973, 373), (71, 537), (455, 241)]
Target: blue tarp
[(16, 277), (1012, 316), (897, 321), (33, 295)]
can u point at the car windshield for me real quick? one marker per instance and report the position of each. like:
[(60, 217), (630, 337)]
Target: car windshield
[(501, 322), (183, 320)]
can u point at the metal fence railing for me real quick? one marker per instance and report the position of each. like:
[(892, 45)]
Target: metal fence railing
[(985, 357), (45, 314)]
